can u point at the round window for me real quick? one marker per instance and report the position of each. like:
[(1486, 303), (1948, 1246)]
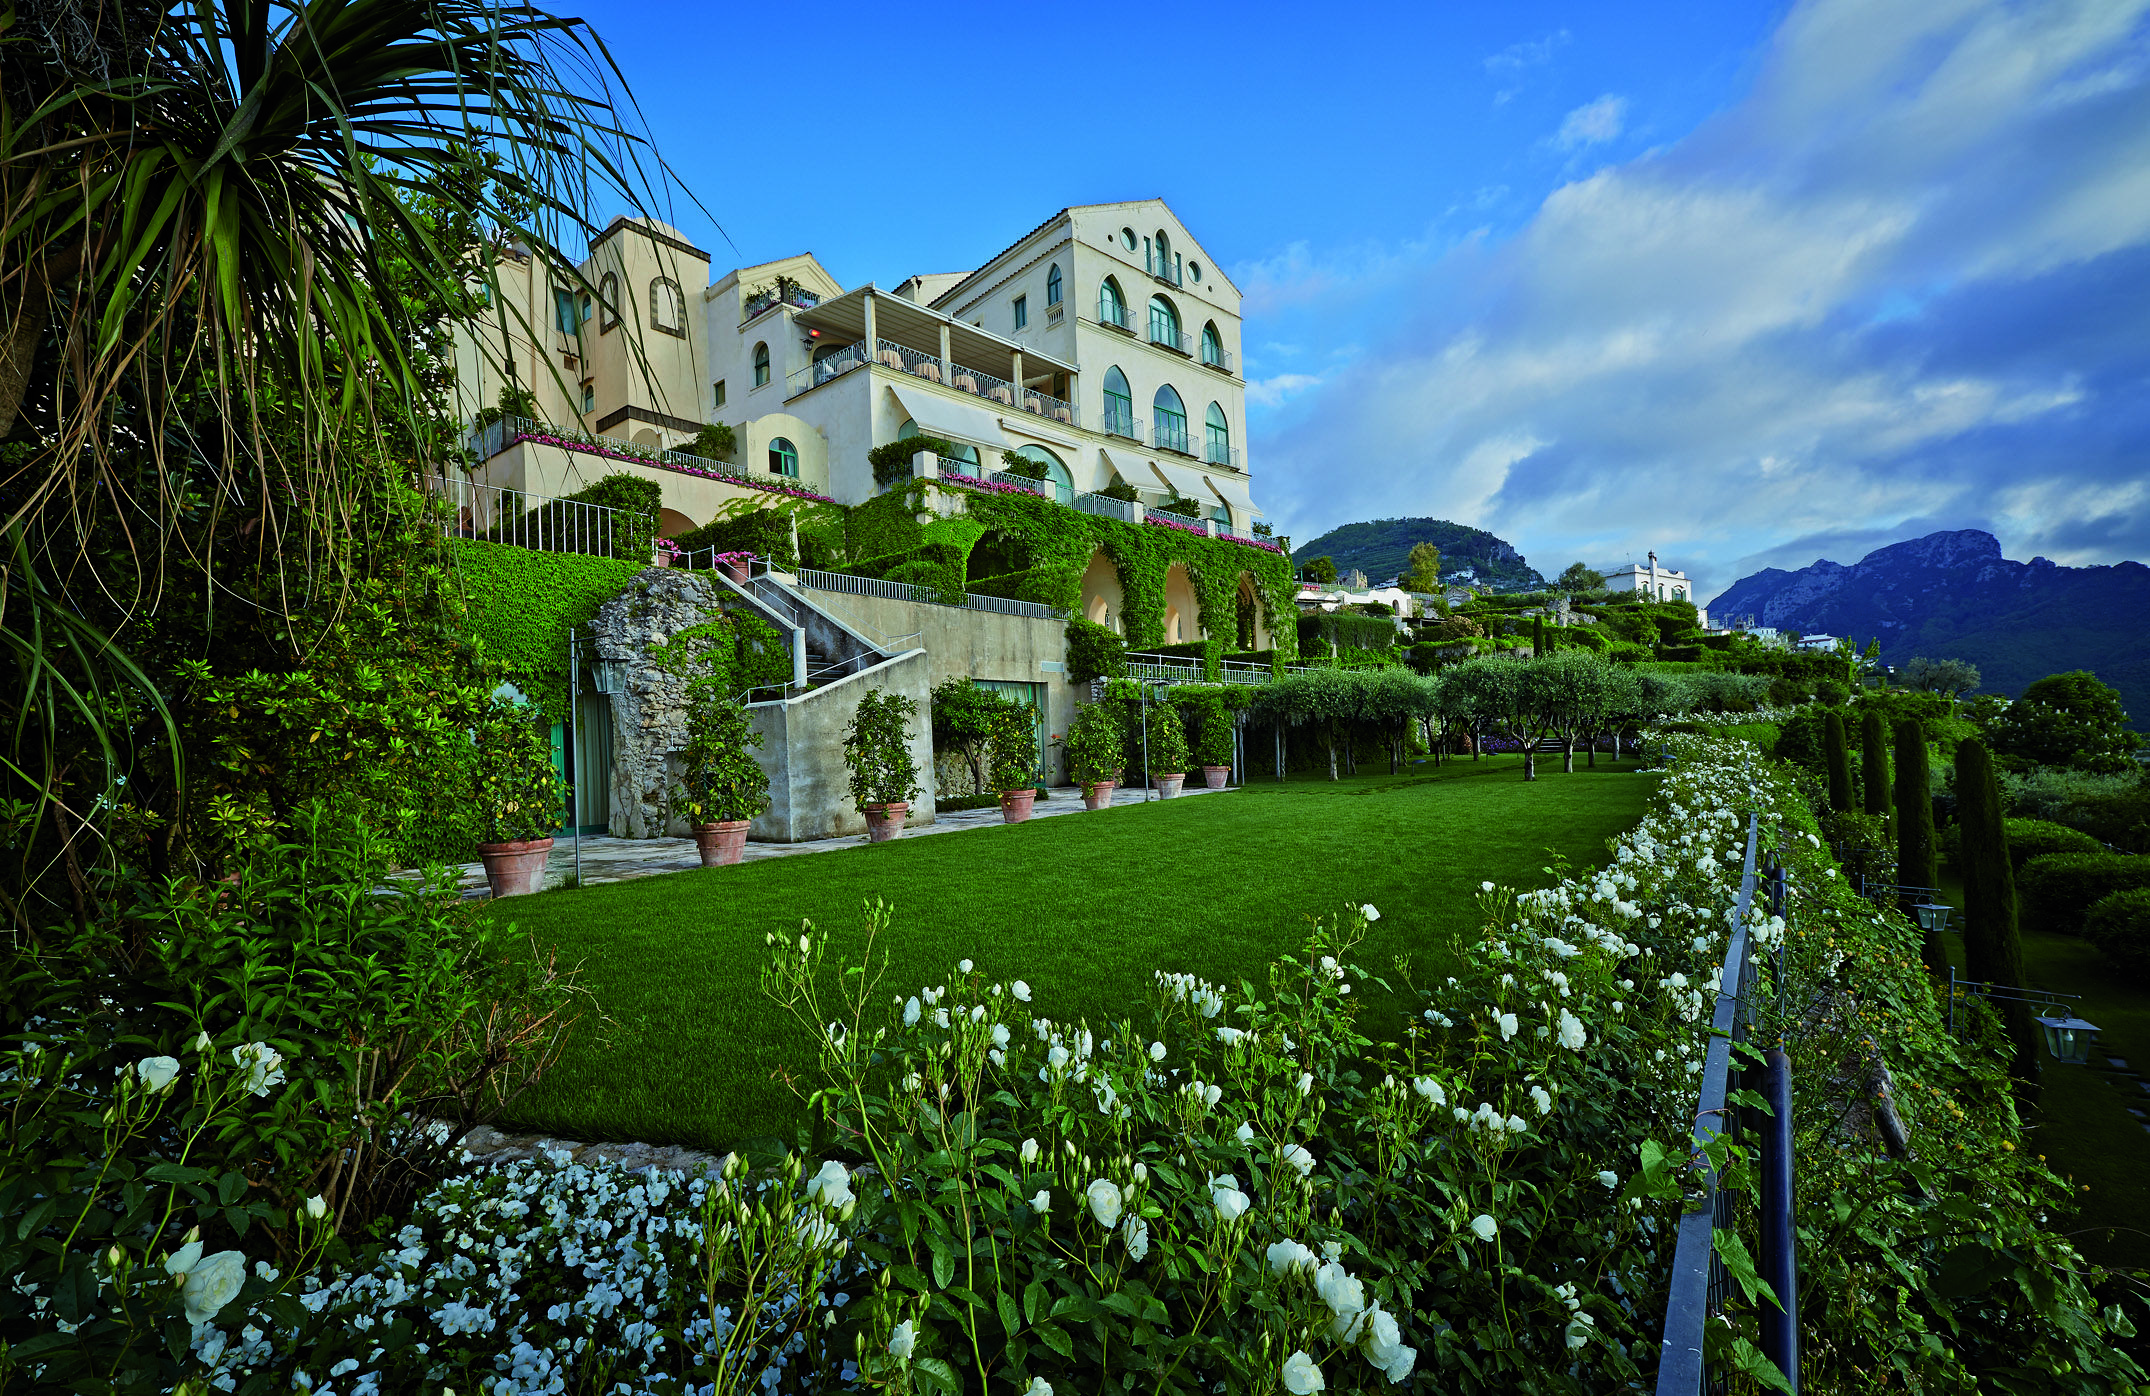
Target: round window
[(1127, 235), (1194, 270)]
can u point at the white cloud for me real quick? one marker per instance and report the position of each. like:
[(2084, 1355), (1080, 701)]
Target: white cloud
[(1271, 392), (1593, 123), (1882, 290), (1510, 67)]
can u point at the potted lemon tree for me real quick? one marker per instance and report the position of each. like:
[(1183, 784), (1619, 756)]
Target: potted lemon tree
[(518, 796), (722, 787), (1015, 760), (1096, 745), (877, 748), (1167, 750)]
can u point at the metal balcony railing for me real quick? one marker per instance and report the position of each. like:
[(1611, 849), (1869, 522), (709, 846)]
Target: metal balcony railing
[(1217, 453), (1217, 356), (1113, 316), (495, 514), (1165, 268), (1169, 335), (833, 365), (905, 591), (497, 436), (1170, 434), (1122, 421), (1105, 506)]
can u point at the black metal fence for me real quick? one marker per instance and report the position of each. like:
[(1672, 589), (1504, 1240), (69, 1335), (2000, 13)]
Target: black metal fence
[(1700, 1283)]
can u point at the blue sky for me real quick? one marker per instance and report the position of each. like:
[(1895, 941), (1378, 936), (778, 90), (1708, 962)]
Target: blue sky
[(1748, 284)]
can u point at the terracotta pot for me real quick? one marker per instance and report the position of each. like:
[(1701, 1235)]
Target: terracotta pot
[(737, 571), (515, 869), (1098, 796), (1168, 786), (884, 822), (1214, 776), (1015, 805), (723, 843)]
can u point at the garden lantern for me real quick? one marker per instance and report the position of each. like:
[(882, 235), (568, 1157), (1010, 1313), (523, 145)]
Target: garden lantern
[(2068, 1039), (1933, 916)]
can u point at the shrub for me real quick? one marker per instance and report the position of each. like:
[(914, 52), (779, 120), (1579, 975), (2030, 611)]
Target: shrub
[(1121, 490), (518, 794), (1167, 738), (2058, 888), (766, 533), (1209, 723), (1013, 744), (1097, 742), (715, 441), (1028, 467), (2119, 925), (877, 748), (2034, 838), (1094, 651), (1343, 630), (720, 780), (891, 460)]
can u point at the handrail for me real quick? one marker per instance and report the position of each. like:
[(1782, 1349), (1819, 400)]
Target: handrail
[(1698, 1276), (849, 585)]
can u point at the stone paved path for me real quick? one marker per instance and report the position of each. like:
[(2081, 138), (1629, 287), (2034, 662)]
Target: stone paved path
[(607, 859)]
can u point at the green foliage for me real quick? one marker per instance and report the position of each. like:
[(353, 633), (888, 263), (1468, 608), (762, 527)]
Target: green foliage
[(766, 533), (517, 795), (1166, 735), (1422, 569), (1012, 741), (1321, 569), (2113, 809), (1952, 678), (1993, 951), (877, 748), (965, 722), (1028, 467), (1836, 763), (1580, 578), (720, 781), (520, 604), (1096, 743), (1094, 651), (2034, 838), (891, 460), (1874, 765), (1208, 722), (2058, 888), (1915, 846), (2066, 720), (1382, 548), (2119, 925), (206, 1065), (715, 441), (1335, 631), (1119, 489)]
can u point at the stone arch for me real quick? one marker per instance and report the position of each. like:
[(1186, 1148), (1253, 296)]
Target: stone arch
[(1183, 607), (671, 523), (1249, 616), (995, 554), (1102, 598), (648, 437)]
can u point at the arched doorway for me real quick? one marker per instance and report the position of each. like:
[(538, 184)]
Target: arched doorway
[(1251, 627), (1183, 610), (671, 523), (1101, 595)]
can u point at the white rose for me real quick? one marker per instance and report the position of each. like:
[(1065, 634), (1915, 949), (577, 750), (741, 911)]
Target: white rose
[(1430, 1089), (1231, 1204), (1000, 1034), (1306, 1082), (1539, 1098), (1485, 886), (1137, 1233), (1297, 1156), (1030, 1151), (831, 1186), (1244, 1134), (1369, 913), (910, 1012), (1485, 1227), (158, 1073), (1157, 1051), (1572, 1035), (1609, 1179), (1302, 1375), (1043, 1202), (964, 966), (1508, 1025), (317, 1207), (1039, 1386), (1104, 1197), (1384, 1346), (902, 1341), (212, 1284), (1020, 990), (1345, 1296), (1285, 1256)]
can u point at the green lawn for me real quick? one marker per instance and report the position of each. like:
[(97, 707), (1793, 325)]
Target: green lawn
[(1084, 907), (2082, 1125)]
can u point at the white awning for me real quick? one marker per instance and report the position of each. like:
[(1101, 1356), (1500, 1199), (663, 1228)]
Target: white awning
[(1132, 467), (1186, 480), (1232, 491), (937, 415)]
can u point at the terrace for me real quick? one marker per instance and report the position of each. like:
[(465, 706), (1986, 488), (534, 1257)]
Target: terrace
[(864, 327)]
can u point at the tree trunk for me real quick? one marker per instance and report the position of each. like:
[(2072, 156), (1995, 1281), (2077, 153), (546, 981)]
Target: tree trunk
[(23, 332), (1332, 755), (1567, 756), (1591, 759), (1530, 760)]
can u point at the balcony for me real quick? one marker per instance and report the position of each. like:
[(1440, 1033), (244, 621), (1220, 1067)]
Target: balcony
[(1163, 332), (1217, 453), (1165, 269), (1122, 421), (918, 363), (1220, 358), (1115, 317), (1171, 435), (796, 297)]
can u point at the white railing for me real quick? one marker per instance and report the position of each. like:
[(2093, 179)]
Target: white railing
[(829, 366), (1114, 317), (1051, 489), (1123, 423), (1217, 454), (904, 359), (1046, 405), (1170, 435), (849, 585), (496, 514), (982, 384), (497, 436), (1164, 267), (1105, 506)]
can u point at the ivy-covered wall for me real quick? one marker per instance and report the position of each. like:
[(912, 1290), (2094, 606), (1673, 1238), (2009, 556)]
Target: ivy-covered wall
[(519, 605), (1032, 549)]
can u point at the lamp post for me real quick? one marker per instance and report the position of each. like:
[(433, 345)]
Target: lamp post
[(2068, 1038), (1933, 916)]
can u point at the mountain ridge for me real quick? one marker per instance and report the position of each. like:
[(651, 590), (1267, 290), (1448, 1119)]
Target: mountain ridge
[(1953, 595), (1382, 548)]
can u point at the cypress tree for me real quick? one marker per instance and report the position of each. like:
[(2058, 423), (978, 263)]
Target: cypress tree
[(1537, 637), (1836, 756), (1915, 832), (1992, 949), (1874, 764)]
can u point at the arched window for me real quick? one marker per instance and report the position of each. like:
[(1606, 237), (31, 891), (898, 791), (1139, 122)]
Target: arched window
[(783, 458), (1217, 442), (608, 304), (1111, 305), (965, 460), (1052, 285), (761, 365), (667, 307), (1170, 433), (1212, 345), (1164, 323), (1119, 404), (1056, 472)]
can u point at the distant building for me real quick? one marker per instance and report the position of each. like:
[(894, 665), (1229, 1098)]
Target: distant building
[(1818, 642), (1657, 583)]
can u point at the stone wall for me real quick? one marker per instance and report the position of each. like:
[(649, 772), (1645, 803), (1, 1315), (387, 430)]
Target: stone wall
[(648, 713)]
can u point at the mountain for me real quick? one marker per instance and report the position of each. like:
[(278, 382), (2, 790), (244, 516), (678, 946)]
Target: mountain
[(1953, 596), (1382, 548)]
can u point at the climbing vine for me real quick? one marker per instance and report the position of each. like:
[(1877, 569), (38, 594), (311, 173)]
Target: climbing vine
[(519, 605)]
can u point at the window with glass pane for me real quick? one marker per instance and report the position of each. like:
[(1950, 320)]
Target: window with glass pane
[(563, 312), (1052, 285), (1212, 347), (1164, 322), (783, 458), (1111, 310), (1171, 420), (761, 365), (1022, 311), (1119, 404), (1219, 436)]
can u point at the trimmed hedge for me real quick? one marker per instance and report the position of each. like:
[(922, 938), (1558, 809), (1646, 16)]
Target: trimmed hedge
[(2034, 838), (1346, 632), (2058, 889), (1094, 651), (2119, 925), (520, 604)]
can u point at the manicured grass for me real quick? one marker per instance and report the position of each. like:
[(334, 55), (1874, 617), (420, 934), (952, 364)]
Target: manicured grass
[(2082, 1125), (1084, 907)]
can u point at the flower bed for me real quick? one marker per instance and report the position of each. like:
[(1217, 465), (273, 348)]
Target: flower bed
[(1232, 1189), (741, 478)]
